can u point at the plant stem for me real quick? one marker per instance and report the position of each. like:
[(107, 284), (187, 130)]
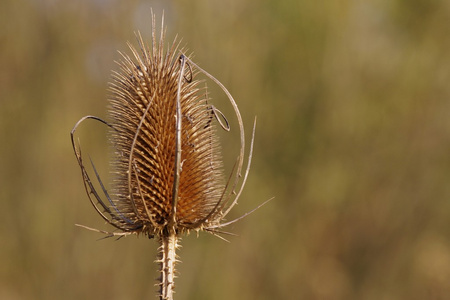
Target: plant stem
[(167, 259)]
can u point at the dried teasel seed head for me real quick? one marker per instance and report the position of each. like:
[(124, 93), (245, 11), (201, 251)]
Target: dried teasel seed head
[(147, 93), (167, 175)]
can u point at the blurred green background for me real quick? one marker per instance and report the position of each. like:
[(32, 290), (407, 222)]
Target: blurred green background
[(353, 140)]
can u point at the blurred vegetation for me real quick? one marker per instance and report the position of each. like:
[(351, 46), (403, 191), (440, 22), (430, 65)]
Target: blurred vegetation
[(353, 140)]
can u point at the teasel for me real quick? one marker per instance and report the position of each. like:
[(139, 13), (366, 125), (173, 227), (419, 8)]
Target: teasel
[(166, 165)]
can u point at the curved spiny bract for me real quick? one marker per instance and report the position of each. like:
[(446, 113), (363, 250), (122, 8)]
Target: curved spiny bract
[(143, 136)]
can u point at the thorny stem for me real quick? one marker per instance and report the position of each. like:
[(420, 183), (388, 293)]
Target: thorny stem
[(167, 260)]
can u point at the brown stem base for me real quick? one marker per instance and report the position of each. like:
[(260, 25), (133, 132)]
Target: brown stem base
[(167, 260)]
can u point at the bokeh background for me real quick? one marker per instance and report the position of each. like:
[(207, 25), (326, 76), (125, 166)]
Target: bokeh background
[(353, 141)]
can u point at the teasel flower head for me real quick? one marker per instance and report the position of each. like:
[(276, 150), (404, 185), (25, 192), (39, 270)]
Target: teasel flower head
[(167, 174)]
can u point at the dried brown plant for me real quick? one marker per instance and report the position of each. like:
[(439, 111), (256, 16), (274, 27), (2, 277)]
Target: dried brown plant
[(167, 175)]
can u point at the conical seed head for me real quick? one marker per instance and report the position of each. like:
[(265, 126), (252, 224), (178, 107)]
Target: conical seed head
[(143, 109)]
